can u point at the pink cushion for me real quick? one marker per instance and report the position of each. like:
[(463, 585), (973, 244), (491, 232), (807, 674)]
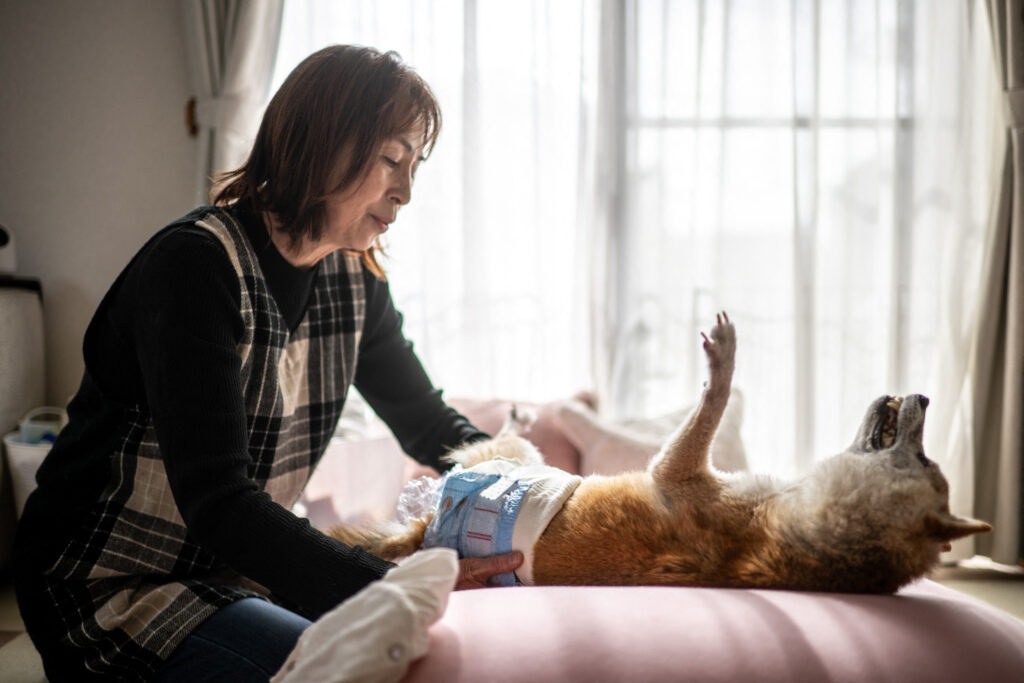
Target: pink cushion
[(926, 633)]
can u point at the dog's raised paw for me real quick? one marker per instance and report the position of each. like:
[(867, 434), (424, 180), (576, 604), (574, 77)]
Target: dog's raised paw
[(720, 347)]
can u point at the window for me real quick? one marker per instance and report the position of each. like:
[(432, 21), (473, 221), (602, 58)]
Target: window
[(611, 173)]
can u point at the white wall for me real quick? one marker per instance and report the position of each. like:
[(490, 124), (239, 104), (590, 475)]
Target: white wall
[(94, 155)]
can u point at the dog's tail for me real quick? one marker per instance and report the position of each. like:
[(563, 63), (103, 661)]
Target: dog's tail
[(389, 541)]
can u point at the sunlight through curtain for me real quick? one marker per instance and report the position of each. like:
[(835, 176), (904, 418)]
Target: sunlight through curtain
[(611, 173), (488, 263)]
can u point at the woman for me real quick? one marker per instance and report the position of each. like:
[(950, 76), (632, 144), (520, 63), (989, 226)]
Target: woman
[(159, 543)]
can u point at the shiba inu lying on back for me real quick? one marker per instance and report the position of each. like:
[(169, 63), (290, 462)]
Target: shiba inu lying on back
[(869, 519)]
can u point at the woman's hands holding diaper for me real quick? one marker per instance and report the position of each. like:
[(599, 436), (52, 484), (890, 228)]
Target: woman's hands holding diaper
[(475, 571)]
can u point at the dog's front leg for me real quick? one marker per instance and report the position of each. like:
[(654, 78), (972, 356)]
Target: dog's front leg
[(685, 454)]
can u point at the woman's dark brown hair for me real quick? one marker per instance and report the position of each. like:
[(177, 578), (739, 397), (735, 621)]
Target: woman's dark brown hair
[(340, 105)]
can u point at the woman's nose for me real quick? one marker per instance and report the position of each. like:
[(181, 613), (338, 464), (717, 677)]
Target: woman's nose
[(402, 191)]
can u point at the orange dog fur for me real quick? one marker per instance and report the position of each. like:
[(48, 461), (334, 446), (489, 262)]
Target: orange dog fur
[(869, 519)]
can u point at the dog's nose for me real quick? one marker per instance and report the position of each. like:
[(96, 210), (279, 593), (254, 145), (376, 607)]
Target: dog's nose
[(924, 401)]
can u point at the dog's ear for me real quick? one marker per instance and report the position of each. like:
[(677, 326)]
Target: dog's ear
[(943, 526)]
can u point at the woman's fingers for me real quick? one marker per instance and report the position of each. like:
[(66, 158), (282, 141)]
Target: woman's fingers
[(475, 571)]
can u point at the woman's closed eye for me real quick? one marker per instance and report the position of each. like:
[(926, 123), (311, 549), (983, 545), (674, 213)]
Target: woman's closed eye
[(393, 163)]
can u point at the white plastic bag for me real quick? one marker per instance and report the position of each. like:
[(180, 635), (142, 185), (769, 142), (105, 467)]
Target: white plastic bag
[(373, 636)]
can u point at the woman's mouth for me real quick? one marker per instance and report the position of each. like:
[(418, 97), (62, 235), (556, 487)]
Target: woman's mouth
[(382, 225)]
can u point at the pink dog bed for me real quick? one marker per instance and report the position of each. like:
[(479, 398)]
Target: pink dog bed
[(538, 634)]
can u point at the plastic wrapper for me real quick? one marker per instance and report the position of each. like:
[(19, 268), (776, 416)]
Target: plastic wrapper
[(419, 497)]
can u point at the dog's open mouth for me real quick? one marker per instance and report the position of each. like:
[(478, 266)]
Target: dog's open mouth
[(885, 429)]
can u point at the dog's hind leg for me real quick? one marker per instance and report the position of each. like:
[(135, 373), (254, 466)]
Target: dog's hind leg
[(686, 452)]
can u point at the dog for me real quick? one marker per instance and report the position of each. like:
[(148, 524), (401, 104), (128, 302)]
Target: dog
[(868, 520)]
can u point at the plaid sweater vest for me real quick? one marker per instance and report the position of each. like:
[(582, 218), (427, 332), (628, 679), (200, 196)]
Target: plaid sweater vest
[(140, 582)]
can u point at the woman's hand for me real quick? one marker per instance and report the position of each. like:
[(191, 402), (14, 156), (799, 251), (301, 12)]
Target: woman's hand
[(475, 571)]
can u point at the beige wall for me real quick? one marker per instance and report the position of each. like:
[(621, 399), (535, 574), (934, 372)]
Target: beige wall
[(94, 156)]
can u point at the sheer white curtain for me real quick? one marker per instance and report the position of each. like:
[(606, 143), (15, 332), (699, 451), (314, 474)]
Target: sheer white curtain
[(489, 261), (612, 172), (814, 168)]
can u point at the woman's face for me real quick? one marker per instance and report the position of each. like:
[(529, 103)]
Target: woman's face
[(356, 217)]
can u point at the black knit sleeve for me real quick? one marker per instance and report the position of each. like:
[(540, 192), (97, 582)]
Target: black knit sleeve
[(186, 327), (391, 378)]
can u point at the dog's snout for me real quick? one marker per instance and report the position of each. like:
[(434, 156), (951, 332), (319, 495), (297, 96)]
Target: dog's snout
[(920, 400)]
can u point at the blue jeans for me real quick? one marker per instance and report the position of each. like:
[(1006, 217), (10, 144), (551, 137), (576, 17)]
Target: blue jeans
[(249, 640)]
